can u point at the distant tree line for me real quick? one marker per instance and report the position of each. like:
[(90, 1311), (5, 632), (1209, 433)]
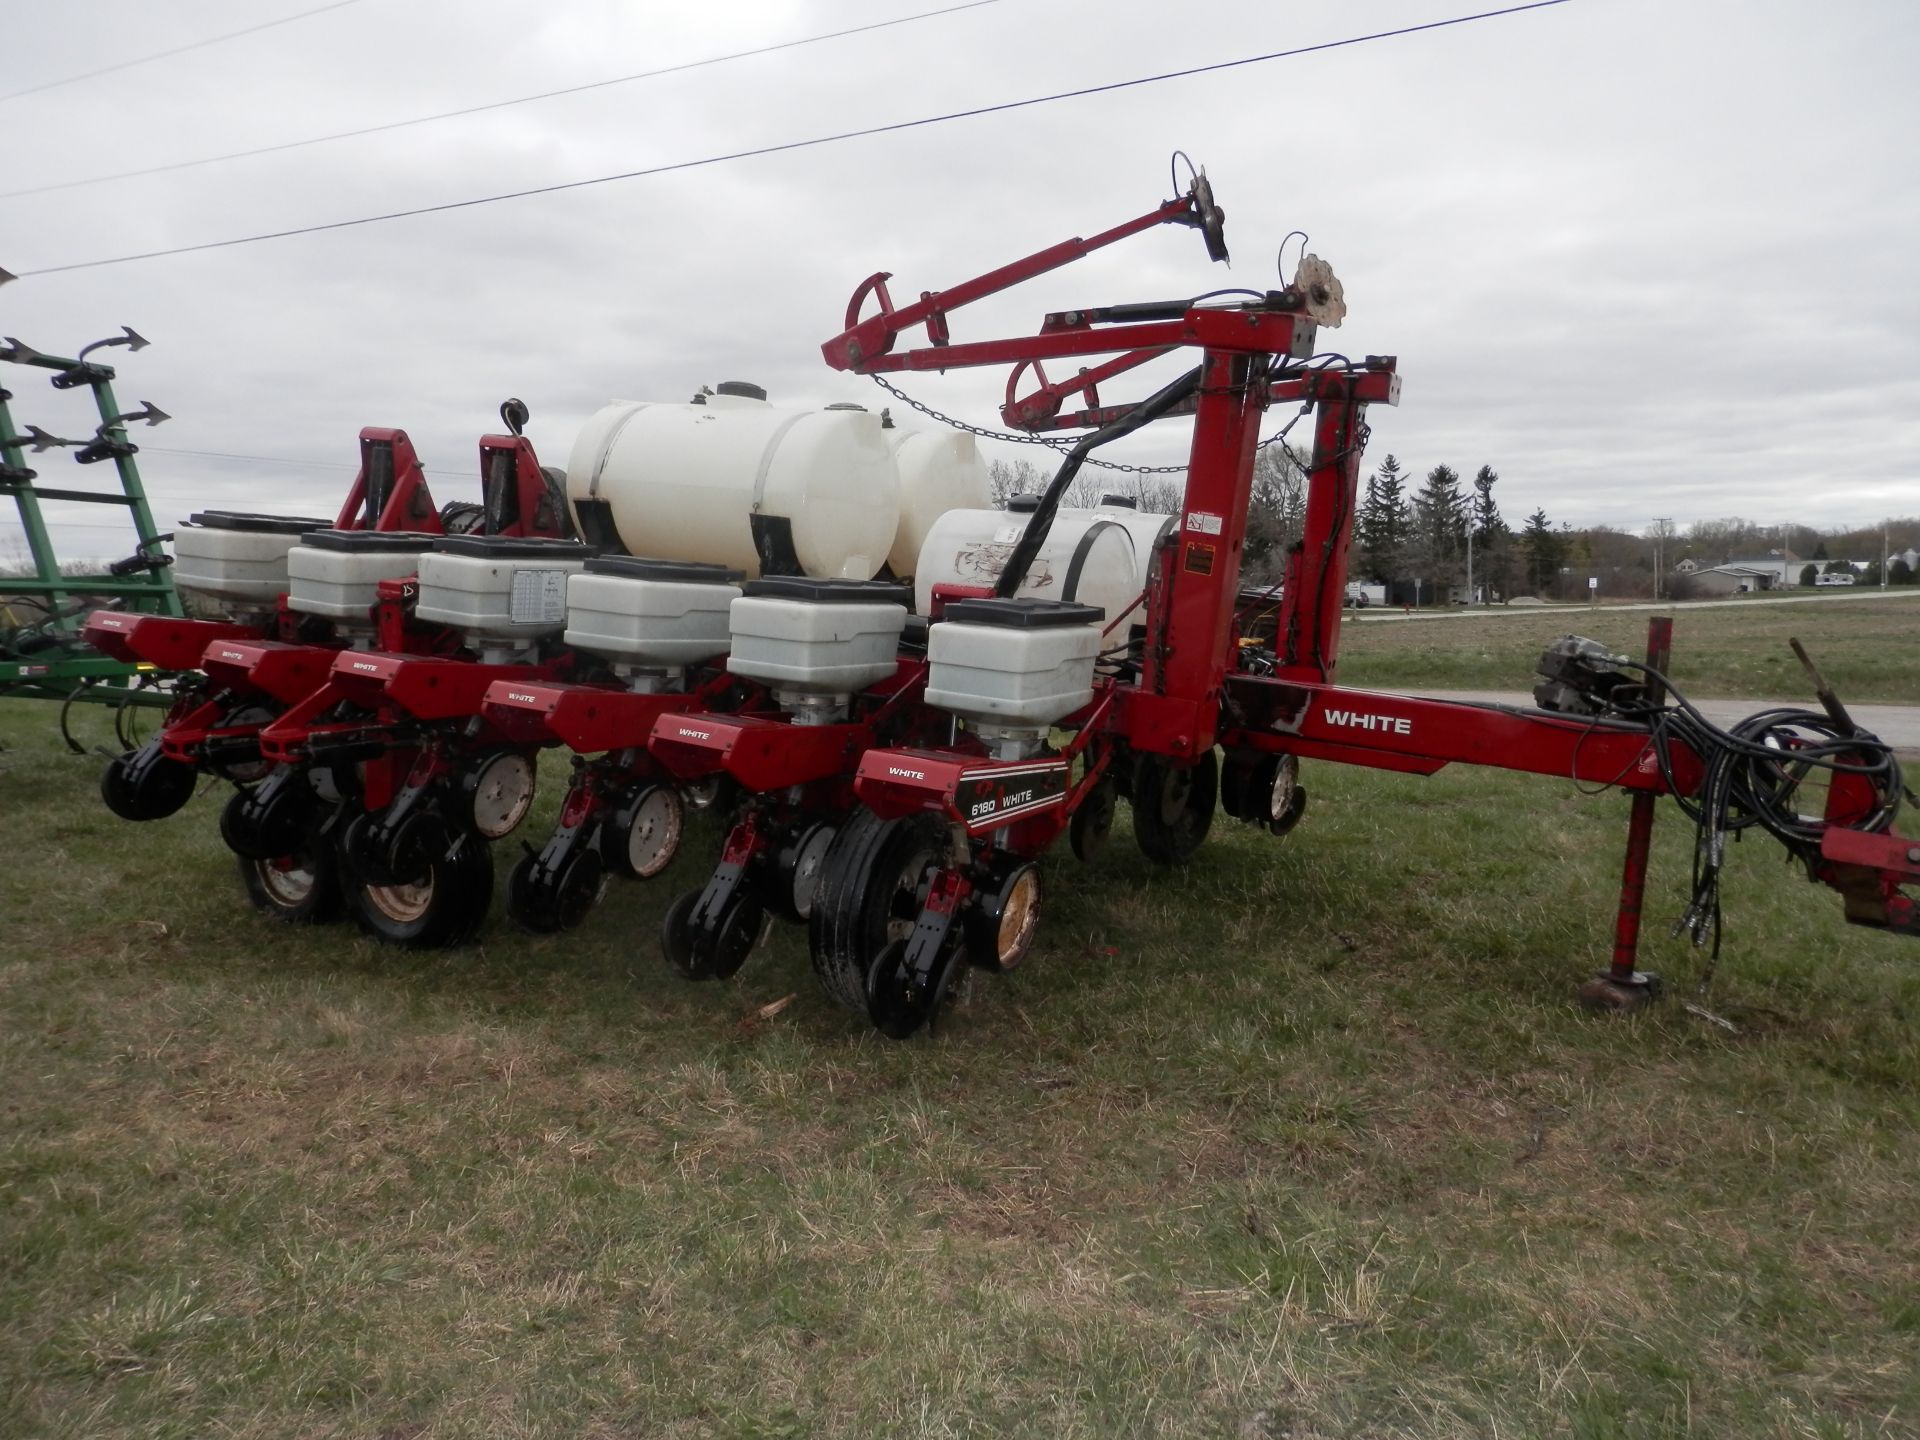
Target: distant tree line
[(1416, 540)]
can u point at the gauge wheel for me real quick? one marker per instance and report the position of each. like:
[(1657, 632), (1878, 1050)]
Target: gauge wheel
[(645, 832), (499, 792), (1173, 806), (872, 886), (444, 907), (800, 864), (298, 889), (1000, 924)]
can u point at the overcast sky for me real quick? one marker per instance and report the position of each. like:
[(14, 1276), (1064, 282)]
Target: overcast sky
[(1643, 257)]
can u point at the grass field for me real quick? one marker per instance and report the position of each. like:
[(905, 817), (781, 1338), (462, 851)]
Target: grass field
[(1306, 1140), (1868, 649)]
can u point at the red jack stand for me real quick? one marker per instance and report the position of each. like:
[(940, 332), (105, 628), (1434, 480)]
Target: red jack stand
[(1622, 987)]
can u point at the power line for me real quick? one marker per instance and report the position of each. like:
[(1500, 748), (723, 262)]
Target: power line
[(177, 50), (786, 145), (493, 105), (255, 459)]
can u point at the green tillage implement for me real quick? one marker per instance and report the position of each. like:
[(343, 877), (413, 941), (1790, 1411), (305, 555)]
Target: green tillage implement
[(41, 653)]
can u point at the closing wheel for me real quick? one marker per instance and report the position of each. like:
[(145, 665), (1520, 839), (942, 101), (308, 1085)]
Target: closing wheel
[(644, 834), (898, 1002), (676, 934), (270, 820), (712, 953), (740, 927), (870, 893), (143, 784), (1173, 806), (1092, 823), (298, 889), (445, 906), (546, 902), (498, 792)]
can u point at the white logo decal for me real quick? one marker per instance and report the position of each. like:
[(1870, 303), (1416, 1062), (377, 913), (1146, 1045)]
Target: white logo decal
[(1393, 725), (367, 666), (523, 699), (906, 774), (690, 734)]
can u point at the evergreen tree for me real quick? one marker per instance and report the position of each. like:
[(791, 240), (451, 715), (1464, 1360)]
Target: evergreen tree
[(1440, 527), (1809, 573), (1381, 526), (1492, 540), (1546, 548), (1487, 524), (1899, 572)]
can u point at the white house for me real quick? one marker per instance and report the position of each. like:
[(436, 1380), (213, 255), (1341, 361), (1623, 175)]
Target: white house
[(1783, 565), (1732, 579)]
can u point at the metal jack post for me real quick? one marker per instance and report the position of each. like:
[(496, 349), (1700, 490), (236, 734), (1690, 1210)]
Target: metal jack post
[(1621, 986)]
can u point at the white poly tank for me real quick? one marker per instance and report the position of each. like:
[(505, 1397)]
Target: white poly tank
[(1013, 662), (337, 573), (939, 470), (795, 633), (236, 560), (1147, 530), (687, 482), (498, 589), (1144, 526), (1087, 557), (658, 614)]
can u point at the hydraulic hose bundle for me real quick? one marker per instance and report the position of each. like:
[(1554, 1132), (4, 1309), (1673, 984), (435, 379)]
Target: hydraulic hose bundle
[(1754, 776)]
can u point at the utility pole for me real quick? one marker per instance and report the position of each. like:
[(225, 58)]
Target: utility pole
[(1886, 525), (1662, 526), (1469, 564)]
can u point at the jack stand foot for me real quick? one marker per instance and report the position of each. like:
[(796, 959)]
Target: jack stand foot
[(1604, 992)]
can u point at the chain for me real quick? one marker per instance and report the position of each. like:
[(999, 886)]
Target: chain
[(1058, 443)]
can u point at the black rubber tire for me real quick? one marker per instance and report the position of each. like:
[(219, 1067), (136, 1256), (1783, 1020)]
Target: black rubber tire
[(1173, 807), (446, 907), (858, 907), (272, 891), (167, 786)]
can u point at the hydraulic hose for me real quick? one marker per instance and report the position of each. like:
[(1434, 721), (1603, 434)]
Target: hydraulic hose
[(1041, 521)]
